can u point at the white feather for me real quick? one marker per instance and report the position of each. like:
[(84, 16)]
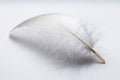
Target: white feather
[(56, 34)]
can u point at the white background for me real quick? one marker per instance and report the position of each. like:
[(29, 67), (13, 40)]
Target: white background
[(20, 63)]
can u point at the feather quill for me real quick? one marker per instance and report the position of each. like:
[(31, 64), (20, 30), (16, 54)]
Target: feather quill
[(56, 33)]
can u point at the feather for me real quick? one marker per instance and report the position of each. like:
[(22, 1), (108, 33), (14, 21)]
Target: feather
[(57, 34)]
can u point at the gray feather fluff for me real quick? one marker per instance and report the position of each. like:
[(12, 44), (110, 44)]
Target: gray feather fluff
[(60, 36)]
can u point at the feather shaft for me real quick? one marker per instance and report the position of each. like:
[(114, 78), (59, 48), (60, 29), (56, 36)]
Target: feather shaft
[(90, 48)]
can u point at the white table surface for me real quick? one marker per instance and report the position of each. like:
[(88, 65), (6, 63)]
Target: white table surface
[(20, 63)]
